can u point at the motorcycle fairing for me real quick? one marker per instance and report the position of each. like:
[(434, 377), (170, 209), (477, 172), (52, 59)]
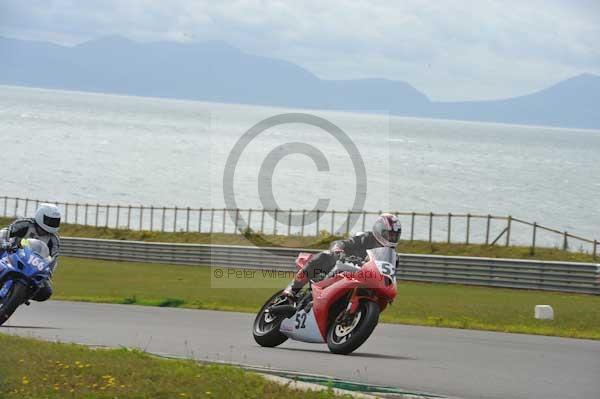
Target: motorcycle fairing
[(377, 275), (327, 292), (25, 263), (302, 326)]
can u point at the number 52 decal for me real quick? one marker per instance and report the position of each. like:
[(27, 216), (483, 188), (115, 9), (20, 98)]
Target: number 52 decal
[(300, 320), (387, 268)]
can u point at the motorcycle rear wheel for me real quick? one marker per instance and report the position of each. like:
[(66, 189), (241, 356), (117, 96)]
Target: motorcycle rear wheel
[(13, 299), (346, 335), (266, 326)]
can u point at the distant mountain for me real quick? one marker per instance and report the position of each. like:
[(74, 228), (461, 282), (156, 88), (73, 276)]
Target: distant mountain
[(574, 102), (216, 71)]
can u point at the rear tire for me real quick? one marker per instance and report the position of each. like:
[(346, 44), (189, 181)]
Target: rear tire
[(15, 297), (345, 336), (266, 327)]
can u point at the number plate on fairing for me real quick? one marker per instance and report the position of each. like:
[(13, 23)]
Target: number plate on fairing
[(303, 327), (387, 269)]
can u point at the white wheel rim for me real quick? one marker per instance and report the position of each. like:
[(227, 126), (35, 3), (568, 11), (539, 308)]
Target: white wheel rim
[(342, 331), (268, 317)]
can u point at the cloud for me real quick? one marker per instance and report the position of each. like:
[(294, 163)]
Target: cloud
[(451, 50)]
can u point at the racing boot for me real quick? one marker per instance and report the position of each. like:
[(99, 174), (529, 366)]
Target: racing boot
[(293, 288)]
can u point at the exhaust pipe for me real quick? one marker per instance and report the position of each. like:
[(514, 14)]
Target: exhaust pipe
[(282, 310)]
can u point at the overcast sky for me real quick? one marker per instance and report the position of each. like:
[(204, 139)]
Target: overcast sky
[(451, 50)]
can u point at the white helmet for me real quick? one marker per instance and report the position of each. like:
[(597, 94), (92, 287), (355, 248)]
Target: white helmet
[(47, 217), (387, 230)]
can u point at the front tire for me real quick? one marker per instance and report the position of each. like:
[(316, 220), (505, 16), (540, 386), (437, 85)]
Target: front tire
[(347, 334), (13, 299), (266, 326)]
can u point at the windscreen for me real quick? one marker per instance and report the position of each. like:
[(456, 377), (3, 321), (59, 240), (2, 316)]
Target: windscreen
[(383, 254), (37, 246)]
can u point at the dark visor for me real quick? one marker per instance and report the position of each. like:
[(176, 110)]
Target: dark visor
[(52, 222), (392, 236)]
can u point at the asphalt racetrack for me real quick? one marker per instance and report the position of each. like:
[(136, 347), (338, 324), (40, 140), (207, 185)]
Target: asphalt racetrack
[(448, 362)]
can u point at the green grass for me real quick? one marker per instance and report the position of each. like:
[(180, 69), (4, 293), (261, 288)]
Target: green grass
[(321, 242), (31, 369), (445, 305)]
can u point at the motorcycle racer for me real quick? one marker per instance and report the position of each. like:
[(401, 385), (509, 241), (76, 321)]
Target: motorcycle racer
[(386, 233), (44, 227)]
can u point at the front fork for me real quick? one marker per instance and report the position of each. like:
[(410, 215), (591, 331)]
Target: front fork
[(5, 288), (354, 301)]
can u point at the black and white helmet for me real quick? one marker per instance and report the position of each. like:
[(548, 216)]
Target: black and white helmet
[(387, 230), (47, 217)]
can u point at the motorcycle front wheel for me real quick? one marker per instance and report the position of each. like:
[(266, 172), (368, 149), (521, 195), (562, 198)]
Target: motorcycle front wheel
[(12, 300), (348, 332), (266, 326)]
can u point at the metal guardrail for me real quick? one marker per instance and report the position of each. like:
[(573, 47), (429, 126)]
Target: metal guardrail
[(494, 272)]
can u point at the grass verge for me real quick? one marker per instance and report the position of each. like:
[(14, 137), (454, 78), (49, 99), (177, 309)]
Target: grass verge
[(321, 242), (443, 305), (32, 369)]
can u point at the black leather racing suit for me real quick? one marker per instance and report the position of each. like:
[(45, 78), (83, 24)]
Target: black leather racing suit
[(28, 228), (323, 262)]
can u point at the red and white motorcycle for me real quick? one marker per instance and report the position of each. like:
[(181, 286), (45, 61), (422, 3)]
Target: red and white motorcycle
[(341, 310)]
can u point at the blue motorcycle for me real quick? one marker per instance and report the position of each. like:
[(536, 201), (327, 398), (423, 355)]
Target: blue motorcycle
[(25, 266)]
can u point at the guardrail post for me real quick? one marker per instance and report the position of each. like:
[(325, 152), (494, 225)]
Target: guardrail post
[(289, 222), (487, 229), (348, 224), (449, 227), (151, 217), (332, 221), (249, 224), (118, 214), (141, 225), (533, 238), (223, 219), (595, 248), (275, 222), (430, 226), (237, 216), (128, 217), (412, 226), (262, 221), (175, 219), (97, 212), (107, 215), (508, 225), (200, 220), (317, 223), (212, 219), (162, 219), (364, 216), (468, 227), (565, 242), (85, 218), (187, 220)]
